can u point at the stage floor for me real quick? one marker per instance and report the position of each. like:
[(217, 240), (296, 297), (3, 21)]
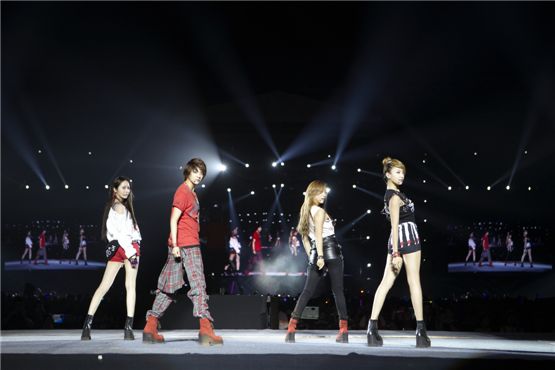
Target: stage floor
[(498, 266), (396, 343), (265, 349)]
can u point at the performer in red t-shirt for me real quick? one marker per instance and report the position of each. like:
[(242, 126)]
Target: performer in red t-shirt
[(485, 250), (257, 248), (42, 248), (183, 253)]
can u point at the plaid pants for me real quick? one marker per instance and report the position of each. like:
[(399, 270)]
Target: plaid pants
[(171, 279)]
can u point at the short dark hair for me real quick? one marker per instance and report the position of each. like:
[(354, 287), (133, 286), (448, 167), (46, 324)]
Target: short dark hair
[(192, 164)]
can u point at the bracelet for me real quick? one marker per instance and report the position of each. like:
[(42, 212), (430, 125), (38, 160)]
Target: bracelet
[(320, 257), (395, 254)]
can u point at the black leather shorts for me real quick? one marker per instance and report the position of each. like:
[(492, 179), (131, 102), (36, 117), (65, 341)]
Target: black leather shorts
[(332, 250)]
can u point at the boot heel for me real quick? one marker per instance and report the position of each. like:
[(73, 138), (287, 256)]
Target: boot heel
[(422, 342), (149, 338), (290, 338), (128, 329), (205, 340), (374, 341), (342, 338), (86, 333)]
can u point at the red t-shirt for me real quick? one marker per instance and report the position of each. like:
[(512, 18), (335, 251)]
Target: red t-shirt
[(42, 240), (188, 224), (257, 241), (485, 242)]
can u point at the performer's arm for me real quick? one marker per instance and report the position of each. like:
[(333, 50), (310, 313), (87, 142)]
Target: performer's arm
[(394, 206), (174, 218), (319, 218)]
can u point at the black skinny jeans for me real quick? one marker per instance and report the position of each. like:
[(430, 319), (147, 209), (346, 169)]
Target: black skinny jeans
[(335, 271)]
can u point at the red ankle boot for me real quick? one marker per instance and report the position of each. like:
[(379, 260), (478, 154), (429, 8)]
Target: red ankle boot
[(150, 332), (343, 335), (206, 335)]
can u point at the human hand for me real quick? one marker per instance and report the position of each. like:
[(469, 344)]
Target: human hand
[(176, 251), (396, 263), (320, 263)]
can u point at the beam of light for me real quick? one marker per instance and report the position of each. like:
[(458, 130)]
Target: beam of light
[(30, 115), (524, 138), (234, 158), (372, 173), (21, 145), (369, 192), (349, 225), (232, 211), (226, 63), (319, 132)]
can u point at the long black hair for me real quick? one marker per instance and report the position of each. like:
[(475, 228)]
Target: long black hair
[(127, 203)]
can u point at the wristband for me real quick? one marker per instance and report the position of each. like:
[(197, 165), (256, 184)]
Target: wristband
[(320, 257)]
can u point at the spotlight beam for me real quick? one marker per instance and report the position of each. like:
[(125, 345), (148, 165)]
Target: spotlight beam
[(343, 229)]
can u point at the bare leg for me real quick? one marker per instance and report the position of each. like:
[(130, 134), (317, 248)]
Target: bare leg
[(412, 266), (386, 284), (78, 254), (530, 256), (85, 254), (112, 269), (130, 287)]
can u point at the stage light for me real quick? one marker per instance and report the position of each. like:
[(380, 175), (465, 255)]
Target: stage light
[(39, 151), (229, 190), (425, 201), (66, 186), (282, 185), (449, 188), (475, 153), (222, 167), (252, 192), (368, 211), (131, 180), (90, 153), (359, 170), (423, 181), (47, 187), (333, 167), (423, 161), (308, 165), (274, 186), (525, 152), (130, 161), (489, 188), (106, 186), (467, 187), (367, 237), (328, 190), (508, 187), (368, 265), (529, 188), (329, 155), (274, 164), (425, 220), (354, 186), (87, 187), (203, 186), (180, 168), (247, 165), (282, 164), (27, 187)]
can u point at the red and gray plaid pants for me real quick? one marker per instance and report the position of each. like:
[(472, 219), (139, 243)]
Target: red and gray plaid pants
[(171, 279)]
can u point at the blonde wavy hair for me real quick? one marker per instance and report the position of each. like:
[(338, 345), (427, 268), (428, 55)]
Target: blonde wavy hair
[(315, 188)]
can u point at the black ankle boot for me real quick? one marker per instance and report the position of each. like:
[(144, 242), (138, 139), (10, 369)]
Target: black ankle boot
[(128, 329), (374, 338), (86, 333), (422, 339)]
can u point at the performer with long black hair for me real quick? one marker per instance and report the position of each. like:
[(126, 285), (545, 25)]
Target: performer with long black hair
[(120, 228)]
